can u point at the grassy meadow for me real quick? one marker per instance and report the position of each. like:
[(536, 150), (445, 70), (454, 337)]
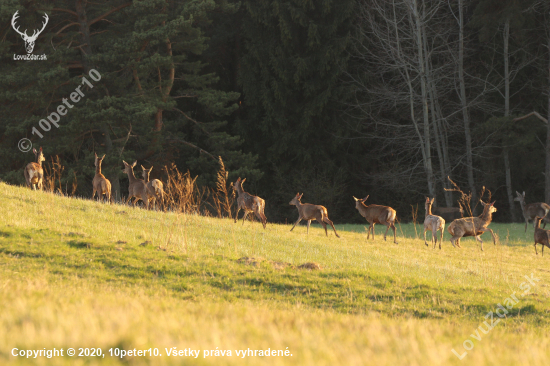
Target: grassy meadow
[(77, 273)]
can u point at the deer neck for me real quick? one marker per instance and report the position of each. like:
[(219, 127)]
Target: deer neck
[(487, 215), (98, 169), (131, 177), (146, 177), (240, 190), (428, 210)]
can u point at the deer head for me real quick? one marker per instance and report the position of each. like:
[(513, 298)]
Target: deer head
[(29, 40), (360, 201), (39, 156), (296, 200)]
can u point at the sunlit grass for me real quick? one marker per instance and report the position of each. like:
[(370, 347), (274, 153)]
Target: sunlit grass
[(77, 273)]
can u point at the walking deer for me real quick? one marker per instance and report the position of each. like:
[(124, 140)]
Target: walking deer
[(311, 212), (433, 223), (34, 174), (473, 226), (249, 203), (541, 236), (155, 188), (101, 185), (137, 188), (531, 210), (376, 214)]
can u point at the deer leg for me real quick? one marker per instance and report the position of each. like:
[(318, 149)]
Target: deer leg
[(237, 213), (245, 214), (394, 233), (425, 242), (543, 250), (441, 239), (537, 253), (297, 222), (325, 226), (372, 230), (308, 223), (526, 222), (386, 233), (328, 221), (481, 241)]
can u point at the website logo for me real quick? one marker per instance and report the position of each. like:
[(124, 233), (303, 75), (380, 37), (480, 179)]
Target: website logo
[(29, 40)]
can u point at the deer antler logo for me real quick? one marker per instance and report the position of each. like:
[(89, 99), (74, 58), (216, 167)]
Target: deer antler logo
[(29, 41)]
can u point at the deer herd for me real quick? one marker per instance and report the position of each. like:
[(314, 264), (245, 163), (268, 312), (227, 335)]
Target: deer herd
[(151, 191)]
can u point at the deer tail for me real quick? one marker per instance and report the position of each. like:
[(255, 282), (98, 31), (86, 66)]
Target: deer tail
[(391, 216)]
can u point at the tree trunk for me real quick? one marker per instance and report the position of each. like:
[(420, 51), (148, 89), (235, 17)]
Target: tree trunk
[(86, 52), (464, 102), (506, 154), (547, 170), (424, 92)]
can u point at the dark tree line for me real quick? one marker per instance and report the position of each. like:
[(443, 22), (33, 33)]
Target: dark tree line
[(330, 98)]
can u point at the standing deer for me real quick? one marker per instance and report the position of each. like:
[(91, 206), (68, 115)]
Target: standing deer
[(137, 188), (433, 223), (155, 188), (249, 203), (34, 174), (473, 226), (376, 214), (531, 210), (101, 185), (307, 211), (541, 236)]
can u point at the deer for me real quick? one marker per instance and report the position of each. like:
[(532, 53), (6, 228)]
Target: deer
[(249, 203), (448, 213), (541, 236), (34, 174), (433, 223), (29, 40), (309, 212), (101, 185), (377, 214), (155, 187), (473, 226), (531, 210), (137, 188)]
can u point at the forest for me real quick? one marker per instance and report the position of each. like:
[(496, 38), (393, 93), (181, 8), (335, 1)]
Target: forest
[(395, 99)]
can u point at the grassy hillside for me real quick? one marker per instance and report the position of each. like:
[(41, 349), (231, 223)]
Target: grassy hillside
[(76, 273)]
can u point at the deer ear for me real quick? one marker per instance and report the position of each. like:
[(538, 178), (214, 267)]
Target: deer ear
[(432, 202), (125, 163), (523, 193), (243, 180), (355, 199), (40, 148), (34, 151), (103, 157), (364, 199), (134, 164), (142, 167), (300, 196)]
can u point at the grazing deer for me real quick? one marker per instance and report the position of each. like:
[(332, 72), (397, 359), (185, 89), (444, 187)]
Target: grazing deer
[(155, 188), (34, 174), (249, 203), (376, 214), (433, 223), (101, 185), (531, 210), (448, 213), (541, 236), (473, 226), (137, 188), (310, 212)]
